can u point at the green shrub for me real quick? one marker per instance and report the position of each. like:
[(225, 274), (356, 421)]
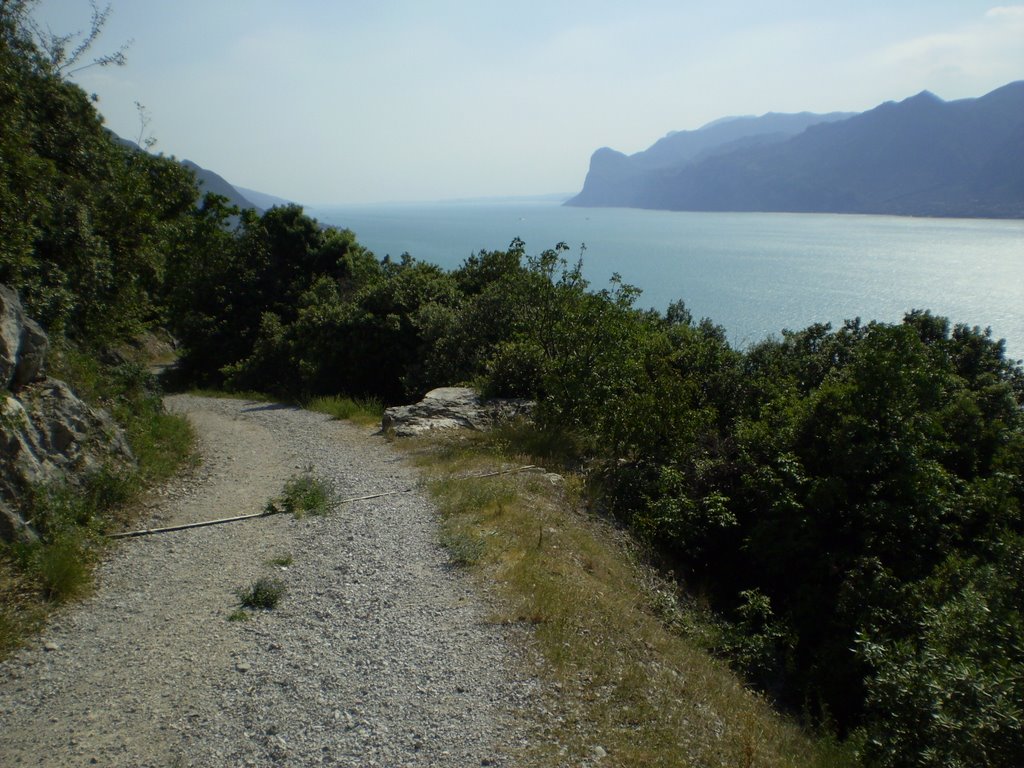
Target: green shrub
[(515, 370)]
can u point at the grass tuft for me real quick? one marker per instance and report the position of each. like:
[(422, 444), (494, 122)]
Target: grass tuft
[(264, 594), (303, 494), (362, 411), (226, 394), (63, 568), (464, 549)]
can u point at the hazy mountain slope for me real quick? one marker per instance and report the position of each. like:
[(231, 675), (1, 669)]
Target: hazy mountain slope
[(616, 179), (210, 181), (921, 156), (262, 199)]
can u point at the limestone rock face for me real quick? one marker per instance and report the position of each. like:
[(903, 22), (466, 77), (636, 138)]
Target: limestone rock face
[(452, 408), (23, 344), (47, 433)]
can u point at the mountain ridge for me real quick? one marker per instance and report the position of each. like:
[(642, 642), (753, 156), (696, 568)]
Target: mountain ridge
[(919, 156)]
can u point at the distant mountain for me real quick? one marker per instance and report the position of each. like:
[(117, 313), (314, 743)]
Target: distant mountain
[(210, 181), (922, 156), (262, 199), (616, 179), (218, 185)]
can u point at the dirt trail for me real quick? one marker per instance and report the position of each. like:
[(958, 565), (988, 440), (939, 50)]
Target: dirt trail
[(379, 654)]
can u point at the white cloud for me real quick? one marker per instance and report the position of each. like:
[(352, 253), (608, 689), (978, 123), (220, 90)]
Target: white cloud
[(961, 62), (1006, 11)]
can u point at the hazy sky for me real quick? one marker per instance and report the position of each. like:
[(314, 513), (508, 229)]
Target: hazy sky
[(364, 101)]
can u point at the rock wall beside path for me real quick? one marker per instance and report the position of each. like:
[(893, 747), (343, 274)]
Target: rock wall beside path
[(47, 434)]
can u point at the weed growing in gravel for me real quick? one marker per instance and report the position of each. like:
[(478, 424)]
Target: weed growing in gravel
[(359, 410), (264, 594), (282, 561), (238, 615), (303, 495)]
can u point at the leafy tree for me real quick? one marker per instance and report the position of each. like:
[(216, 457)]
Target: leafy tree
[(86, 221)]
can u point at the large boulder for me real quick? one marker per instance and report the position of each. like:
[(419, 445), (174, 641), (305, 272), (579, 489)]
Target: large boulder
[(23, 344), (452, 408)]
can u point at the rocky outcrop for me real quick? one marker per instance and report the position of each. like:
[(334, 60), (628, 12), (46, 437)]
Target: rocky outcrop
[(23, 344), (452, 408), (47, 434)]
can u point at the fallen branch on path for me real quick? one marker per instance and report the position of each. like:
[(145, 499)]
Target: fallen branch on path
[(269, 512), (273, 510)]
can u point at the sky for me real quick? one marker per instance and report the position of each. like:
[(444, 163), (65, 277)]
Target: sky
[(362, 101)]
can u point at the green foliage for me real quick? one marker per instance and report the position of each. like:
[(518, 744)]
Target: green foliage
[(756, 642), (951, 693), (516, 369), (86, 223)]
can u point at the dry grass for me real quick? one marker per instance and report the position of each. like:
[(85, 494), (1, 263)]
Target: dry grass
[(21, 611), (620, 678), (224, 394)]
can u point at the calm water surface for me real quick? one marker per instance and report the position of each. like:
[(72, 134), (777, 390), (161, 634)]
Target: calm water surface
[(754, 273)]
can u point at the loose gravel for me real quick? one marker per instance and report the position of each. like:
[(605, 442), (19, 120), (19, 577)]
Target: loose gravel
[(378, 654)]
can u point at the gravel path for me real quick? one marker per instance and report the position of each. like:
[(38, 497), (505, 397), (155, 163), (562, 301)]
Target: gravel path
[(379, 654)]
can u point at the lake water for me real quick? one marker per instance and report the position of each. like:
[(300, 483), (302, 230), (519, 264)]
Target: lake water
[(753, 273)]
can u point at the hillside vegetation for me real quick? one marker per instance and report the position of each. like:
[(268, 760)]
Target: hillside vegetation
[(847, 500)]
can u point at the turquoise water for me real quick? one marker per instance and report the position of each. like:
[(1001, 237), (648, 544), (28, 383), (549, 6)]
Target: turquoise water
[(753, 273)]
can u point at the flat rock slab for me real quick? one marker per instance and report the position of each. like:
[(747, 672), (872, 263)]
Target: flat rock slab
[(452, 408)]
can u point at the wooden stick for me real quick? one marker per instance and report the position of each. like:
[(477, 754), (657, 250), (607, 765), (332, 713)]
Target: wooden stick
[(150, 531), (500, 472), (274, 511), (219, 521)]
